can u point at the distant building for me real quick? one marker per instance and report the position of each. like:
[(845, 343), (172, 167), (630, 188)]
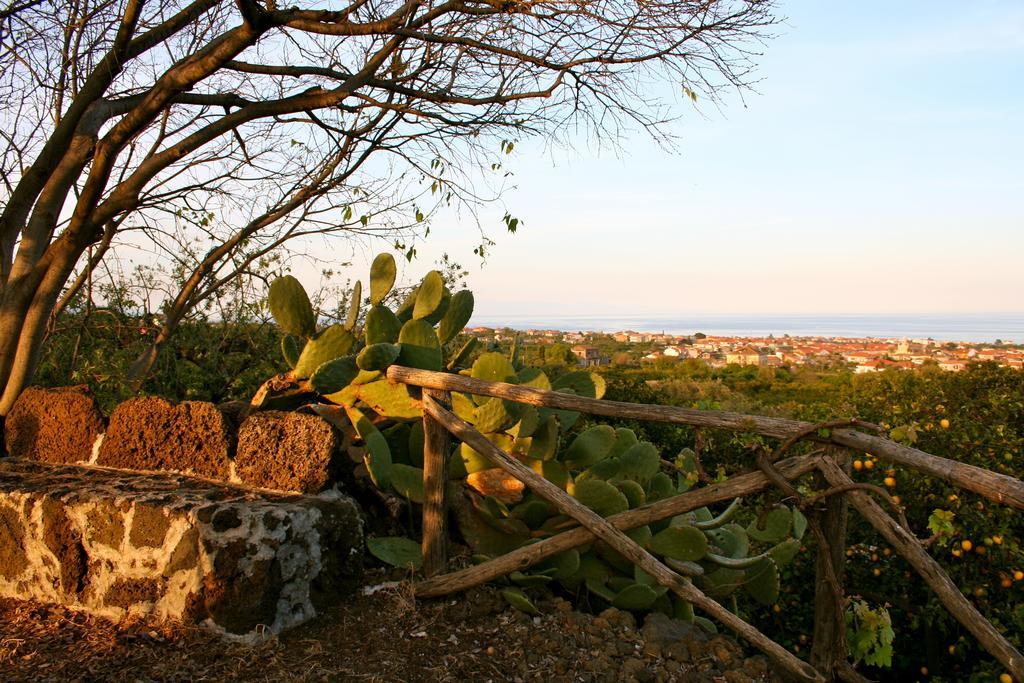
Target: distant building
[(745, 356), (588, 355)]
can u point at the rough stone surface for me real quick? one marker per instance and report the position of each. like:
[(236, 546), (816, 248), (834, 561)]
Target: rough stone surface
[(286, 451), (166, 546), (53, 425), (151, 433)]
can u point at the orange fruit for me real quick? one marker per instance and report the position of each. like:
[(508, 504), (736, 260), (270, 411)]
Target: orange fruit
[(1005, 678), (869, 464), (896, 499), (966, 545), (944, 423), (1018, 575), (998, 540), (957, 552), (981, 550), (890, 481), (876, 571), (1006, 582), (858, 465)]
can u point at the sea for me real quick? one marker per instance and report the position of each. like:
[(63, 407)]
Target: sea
[(965, 327)]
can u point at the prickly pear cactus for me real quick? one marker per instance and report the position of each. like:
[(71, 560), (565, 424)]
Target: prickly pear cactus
[(345, 363), (607, 469)]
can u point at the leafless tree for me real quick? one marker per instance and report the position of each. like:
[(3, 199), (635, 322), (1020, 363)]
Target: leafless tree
[(120, 117)]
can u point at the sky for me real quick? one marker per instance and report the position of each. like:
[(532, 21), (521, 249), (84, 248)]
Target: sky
[(876, 169)]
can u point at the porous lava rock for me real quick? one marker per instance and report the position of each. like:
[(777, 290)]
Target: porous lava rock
[(151, 433), (53, 425), (286, 451), (168, 547)]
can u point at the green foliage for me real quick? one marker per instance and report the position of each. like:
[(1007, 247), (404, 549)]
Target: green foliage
[(869, 633), (940, 522)]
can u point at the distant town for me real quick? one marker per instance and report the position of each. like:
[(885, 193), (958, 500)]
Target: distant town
[(864, 355)]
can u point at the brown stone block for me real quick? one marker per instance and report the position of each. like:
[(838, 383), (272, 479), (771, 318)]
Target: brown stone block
[(151, 433), (53, 425), (286, 451)]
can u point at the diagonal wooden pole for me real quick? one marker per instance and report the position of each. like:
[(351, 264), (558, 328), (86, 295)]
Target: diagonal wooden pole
[(909, 547), (628, 548), (521, 558)]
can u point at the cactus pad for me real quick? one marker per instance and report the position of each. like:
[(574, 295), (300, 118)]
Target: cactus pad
[(494, 415), (589, 447), (290, 349), (382, 277), (493, 367), (396, 551), (460, 310), (461, 357), (635, 597), (518, 599), (377, 356), (776, 525), (582, 383), (429, 295), (762, 581), (633, 492), (408, 482), (601, 497), (680, 543), (640, 462), (334, 375), (382, 326), (353, 305), (290, 307), (420, 346), (390, 400), (334, 342)]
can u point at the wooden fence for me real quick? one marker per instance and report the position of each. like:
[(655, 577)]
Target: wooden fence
[(826, 511)]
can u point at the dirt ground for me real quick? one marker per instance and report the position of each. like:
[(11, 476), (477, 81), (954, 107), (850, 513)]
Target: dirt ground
[(386, 636)]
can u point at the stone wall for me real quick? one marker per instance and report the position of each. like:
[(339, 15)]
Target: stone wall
[(284, 451), (169, 547)]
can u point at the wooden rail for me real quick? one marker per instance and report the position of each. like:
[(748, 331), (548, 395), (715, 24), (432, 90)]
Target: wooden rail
[(829, 657), (997, 487)]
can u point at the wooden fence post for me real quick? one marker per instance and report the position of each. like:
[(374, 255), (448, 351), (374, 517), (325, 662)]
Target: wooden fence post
[(828, 646), (435, 483)]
